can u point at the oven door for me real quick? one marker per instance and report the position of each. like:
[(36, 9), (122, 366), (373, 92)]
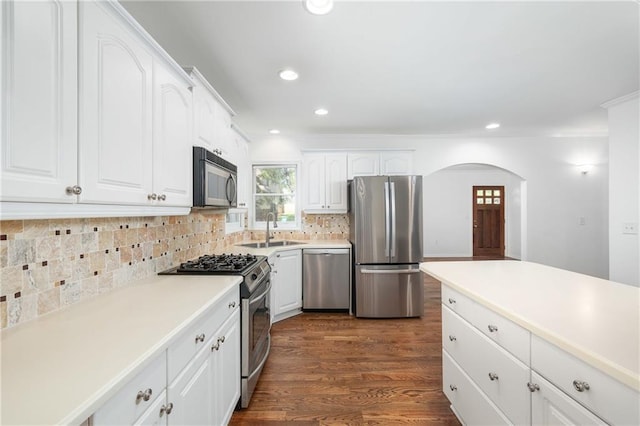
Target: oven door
[(256, 317), (220, 187)]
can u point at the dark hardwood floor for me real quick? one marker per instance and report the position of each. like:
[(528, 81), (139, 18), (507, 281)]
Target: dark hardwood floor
[(334, 369)]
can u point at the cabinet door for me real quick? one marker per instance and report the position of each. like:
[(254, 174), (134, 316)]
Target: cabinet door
[(172, 158), (204, 112), (222, 138), (226, 376), (396, 163), (336, 182), (191, 393), (314, 182), (38, 70), (115, 109), (244, 172), (551, 406), (363, 164), (289, 281)]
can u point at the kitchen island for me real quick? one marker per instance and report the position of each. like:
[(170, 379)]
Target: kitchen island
[(561, 323)]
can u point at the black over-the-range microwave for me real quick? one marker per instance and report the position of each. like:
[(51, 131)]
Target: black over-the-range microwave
[(214, 180)]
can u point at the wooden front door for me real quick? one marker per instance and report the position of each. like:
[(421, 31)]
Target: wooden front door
[(488, 221)]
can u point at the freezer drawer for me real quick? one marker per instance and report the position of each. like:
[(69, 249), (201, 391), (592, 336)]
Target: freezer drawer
[(389, 291), (326, 278)]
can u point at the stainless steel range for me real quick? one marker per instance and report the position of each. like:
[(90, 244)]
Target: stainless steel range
[(255, 315)]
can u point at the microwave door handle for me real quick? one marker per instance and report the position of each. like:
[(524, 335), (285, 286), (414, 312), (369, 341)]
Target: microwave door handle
[(230, 188)]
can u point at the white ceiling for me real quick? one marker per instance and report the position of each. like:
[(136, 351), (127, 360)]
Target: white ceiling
[(418, 67)]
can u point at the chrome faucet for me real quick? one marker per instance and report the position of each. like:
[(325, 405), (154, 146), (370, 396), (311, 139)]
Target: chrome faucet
[(275, 225)]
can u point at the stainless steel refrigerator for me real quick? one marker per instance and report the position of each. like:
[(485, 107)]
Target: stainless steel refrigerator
[(385, 214)]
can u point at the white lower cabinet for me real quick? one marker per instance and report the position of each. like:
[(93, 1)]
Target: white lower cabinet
[(196, 381), (551, 406), (286, 284)]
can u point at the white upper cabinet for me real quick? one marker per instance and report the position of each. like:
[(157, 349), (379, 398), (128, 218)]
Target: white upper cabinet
[(325, 183), (116, 103), (380, 163), (38, 71), (240, 157), (212, 117), (172, 154)]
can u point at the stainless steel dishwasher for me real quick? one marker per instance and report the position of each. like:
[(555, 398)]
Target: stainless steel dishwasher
[(326, 278)]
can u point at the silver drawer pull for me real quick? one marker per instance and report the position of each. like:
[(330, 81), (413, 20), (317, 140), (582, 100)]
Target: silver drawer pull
[(533, 387), (492, 328), (143, 395), (216, 346), (493, 376), (580, 386), (452, 301), (232, 305), (453, 388), (452, 338), (221, 339), (166, 409), (200, 338)]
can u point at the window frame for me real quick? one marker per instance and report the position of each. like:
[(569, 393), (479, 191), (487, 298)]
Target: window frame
[(261, 225)]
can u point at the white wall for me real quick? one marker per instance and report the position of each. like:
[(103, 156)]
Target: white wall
[(558, 195), (624, 188)]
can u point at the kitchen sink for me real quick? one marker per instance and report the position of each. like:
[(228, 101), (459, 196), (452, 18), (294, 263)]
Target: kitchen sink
[(271, 244)]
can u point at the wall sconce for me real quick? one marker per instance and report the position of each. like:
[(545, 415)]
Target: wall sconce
[(585, 168)]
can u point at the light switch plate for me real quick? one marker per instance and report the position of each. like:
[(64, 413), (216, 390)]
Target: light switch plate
[(629, 228)]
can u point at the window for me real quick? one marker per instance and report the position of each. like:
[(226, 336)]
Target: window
[(234, 221), (275, 191)]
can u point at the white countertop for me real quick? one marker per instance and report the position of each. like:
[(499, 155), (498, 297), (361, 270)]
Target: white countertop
[(596, 320), (61, 367), (294, 244)]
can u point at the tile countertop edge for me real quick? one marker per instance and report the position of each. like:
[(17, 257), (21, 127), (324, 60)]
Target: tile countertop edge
[(94, 400), (620, 373)]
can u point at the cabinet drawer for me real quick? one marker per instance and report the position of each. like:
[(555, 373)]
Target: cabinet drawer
[(504, 332), (500, 375), (468, 401), (126, 406), (196, 337), (615, 402)]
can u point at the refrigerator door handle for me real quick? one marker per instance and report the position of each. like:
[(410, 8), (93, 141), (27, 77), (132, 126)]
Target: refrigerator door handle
[(393, 221), (387, 220), (389, 271)]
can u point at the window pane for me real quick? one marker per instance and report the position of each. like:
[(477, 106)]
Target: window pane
[(275, 180), (480, 200), (479, 192), (496, 201), (487, 192), (487, 201), (496, 192), (283, 205)]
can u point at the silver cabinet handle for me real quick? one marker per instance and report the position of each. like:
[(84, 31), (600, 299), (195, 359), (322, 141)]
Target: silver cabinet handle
[(581, 386), (216, 346), (166, 409), (533, 387), (153, 196), (73, 190), (162, 197), (493, 376), (221, 339), (232, 305), (492, 328), (452, 338), (453, 388), (200, 338), (143, 395), (452, 301)]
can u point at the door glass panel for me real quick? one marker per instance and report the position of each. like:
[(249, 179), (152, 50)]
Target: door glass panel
[(480, 200), (487, 201), (479, 192), (487, 192), (496, 201), (496, 192)]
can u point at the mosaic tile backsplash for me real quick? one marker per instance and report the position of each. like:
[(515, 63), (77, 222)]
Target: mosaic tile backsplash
[(46, 265)]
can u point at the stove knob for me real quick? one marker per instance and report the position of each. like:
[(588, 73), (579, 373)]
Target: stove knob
[(254, 276)]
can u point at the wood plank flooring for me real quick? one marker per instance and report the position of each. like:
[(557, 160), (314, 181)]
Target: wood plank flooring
[(334, 369)]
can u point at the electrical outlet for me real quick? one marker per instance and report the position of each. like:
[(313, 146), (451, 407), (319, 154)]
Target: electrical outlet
[(630, 228)]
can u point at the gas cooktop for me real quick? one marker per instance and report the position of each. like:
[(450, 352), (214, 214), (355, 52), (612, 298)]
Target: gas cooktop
[(213, 264)]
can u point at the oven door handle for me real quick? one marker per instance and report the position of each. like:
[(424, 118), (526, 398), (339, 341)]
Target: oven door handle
[(255, 299)]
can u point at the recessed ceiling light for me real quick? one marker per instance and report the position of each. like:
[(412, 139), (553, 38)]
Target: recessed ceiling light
[(288, 74), (318, 7), (491, 126), (321, 111), (274, 131)]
